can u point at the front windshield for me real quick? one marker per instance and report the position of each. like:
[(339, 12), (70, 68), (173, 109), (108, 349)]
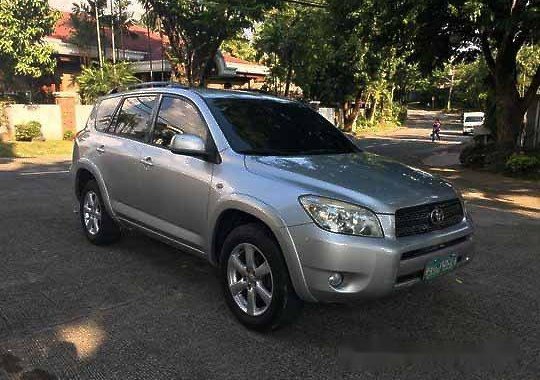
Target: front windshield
[(277, 128)]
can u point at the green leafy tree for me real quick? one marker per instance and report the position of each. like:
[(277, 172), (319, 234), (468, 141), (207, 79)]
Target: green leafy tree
[(498, 29), (528, 60), (197, 28), (83, 19), (346, 53), (23, 24), (240, 46), (94, 82), (282, 44), (472, 84), (123, 21)]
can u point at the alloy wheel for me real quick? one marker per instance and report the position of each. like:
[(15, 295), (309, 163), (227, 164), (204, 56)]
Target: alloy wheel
[(92, 213), (250, 279)]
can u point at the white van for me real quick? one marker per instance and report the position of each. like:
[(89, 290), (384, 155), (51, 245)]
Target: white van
[(472, 120)]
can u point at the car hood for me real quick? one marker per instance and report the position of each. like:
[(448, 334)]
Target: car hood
[(378, 183)]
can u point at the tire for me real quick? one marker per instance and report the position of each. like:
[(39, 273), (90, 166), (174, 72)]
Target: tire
[(265, 313), (97, 224)]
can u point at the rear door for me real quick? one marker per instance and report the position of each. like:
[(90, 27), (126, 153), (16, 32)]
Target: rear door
[(175, 188), (120, 151)]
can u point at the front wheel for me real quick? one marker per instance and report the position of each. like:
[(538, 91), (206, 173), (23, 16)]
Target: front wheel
[(255, 279)]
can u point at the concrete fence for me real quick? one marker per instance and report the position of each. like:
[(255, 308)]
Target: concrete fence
[(50, 116)]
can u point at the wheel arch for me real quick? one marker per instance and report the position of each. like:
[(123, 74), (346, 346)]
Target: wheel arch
[(86, 171), (240, 209)]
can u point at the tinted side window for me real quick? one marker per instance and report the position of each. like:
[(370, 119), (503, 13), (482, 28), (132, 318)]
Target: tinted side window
[(176, 115), (104, 114), (134, 116)]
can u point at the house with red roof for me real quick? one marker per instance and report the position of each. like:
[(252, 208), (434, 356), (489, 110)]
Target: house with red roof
[(146, 52)]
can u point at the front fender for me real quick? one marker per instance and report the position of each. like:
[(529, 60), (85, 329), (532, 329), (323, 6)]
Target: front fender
[(270, 216)]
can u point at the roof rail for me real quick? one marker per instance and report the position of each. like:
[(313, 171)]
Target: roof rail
[(147, 85)]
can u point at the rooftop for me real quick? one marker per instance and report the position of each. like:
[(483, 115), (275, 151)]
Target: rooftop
[(149, 46)]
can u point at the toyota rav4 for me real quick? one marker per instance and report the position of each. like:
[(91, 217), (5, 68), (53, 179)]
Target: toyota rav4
[(267, 190)]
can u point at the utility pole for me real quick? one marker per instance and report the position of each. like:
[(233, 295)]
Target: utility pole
[(121, 24), (149, 50), (100, 57), (112, 33), (162, 50)]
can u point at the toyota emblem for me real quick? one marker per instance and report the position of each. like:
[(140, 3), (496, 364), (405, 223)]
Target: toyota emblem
[(437, 216)]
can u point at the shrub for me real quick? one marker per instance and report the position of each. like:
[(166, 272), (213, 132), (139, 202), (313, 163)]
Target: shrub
[(28, 131), (472, 156), (484, 156), (362, 123), (69, 135), (523, 164), (94, 82), (399, 112)]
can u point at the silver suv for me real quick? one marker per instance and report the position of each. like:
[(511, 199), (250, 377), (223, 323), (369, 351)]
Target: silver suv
[(266, 189)]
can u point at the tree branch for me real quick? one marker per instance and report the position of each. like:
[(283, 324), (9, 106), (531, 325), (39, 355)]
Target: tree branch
[(486, 49)]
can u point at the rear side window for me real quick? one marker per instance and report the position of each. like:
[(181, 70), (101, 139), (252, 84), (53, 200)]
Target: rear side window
[(104, 114), (133, 120)]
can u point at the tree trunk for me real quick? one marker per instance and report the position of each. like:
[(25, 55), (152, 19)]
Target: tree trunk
[(509, 106), (373, 110), (450, 90), (288, 80), (508, 117), (350, 114)]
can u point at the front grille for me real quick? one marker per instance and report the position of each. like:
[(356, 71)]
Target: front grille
[(417, 219)]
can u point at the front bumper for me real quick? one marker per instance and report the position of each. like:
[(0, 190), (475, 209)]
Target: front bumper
[(373, 267)]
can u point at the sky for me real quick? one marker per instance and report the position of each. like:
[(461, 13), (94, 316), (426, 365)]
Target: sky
[(66, 5)]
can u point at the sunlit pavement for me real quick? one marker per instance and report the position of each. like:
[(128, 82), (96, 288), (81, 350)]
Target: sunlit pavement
[(142, 310)]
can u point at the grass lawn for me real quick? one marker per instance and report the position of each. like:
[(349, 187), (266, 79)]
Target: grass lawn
[(13, 149), (380, 128)]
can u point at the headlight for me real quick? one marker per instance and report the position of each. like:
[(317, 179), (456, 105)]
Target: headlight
[(341, 217)]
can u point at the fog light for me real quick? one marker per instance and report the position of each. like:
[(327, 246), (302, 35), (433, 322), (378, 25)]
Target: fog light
[(335, 279)]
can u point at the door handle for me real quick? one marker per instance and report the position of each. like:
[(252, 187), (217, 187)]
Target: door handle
[(101, 149), (147, 162)]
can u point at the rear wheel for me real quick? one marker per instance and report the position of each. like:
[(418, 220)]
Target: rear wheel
[(97, 224), (255, 279)]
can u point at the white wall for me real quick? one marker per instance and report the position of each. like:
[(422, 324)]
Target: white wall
[(81, 115), (47, 114)]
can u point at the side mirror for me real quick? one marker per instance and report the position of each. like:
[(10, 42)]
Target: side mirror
[(189, 145)]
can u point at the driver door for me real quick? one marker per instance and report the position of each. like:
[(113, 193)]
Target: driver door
[(175, 188)]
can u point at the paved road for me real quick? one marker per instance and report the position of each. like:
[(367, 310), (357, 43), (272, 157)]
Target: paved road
[(142, 310)]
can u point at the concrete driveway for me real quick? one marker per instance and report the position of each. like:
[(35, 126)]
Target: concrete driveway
[(142, 310)]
